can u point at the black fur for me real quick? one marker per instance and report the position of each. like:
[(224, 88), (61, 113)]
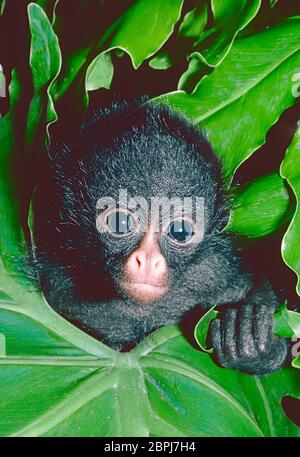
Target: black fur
[(150, 152)]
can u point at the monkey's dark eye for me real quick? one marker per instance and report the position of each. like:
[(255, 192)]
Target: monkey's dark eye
[(120, 223), (181, 231)]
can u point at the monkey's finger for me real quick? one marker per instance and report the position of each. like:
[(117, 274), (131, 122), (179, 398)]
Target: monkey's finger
[(216, 335), (246, 346), (229, 332), (263, 327)]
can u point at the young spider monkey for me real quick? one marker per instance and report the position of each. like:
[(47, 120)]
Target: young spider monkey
[(120, 253)]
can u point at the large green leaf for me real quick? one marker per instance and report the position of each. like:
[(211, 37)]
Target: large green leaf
[(153, 21), (12, 244), (49, 6), (194, 21), (45, 57), (290, 169), (189, 30), (213, 45), (73, 64), (45, 63), (31, 327), (260, 207), (230, 17), (162, 388), (241, 99)]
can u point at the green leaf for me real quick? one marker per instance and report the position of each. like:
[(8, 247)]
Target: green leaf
[(2, 345), (45, 63), (287, 323), (73, 64), (100, 73), (290, 170), (190, 28), (157, 20), (49, 6), (162, 388), (32, 328), (44, 53), (153, 20), (233, 104), (34, 338), (194, 21), (260, 207), (213, 45), (296, 362), (162, 61), (12, 244), (2, 6), (230, 17), (202, 328), (191, 77)]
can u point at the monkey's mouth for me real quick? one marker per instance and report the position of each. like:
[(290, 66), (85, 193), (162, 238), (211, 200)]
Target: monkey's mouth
[(144, 292)]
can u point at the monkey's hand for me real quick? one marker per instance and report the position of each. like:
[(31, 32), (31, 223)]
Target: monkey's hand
[(243, 339)]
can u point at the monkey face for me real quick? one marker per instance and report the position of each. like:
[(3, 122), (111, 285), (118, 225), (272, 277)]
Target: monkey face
[(145, 271)]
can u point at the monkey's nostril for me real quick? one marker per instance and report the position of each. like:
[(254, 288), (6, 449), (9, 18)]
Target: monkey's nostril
[(138, 261)]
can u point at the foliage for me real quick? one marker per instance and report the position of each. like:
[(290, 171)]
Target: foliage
[(233, 71)]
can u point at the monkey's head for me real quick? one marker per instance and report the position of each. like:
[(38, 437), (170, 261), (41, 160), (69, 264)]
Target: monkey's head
[(139, 195)]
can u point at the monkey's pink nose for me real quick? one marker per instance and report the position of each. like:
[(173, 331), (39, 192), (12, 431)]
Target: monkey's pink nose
[(146, 272), (147, 264)]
